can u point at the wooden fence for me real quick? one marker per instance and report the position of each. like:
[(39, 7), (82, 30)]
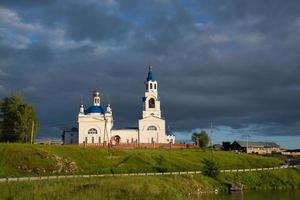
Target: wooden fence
[(17, 179), (139, 145)]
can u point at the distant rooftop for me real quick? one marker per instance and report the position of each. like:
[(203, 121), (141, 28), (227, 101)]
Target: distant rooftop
[(257, 144), (126, 128)]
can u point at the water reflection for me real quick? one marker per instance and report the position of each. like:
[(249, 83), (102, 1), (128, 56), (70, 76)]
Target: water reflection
[(256, 195)]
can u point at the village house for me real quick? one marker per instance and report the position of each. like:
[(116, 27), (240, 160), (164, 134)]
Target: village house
[(255, 147)]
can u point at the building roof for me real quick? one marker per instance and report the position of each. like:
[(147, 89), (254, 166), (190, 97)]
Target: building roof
[(150, 76), (126, 128), (257, 144), (94, 109)]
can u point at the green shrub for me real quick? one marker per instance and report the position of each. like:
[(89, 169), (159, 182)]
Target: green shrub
[(211, 168)]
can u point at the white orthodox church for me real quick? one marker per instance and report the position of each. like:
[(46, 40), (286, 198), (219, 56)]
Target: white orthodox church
[(95, 124)]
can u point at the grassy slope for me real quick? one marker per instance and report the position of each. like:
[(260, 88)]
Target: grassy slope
[(22, 160), (152, 187)]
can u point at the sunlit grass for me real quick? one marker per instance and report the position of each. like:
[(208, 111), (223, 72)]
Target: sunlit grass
[(147, 187), (25, 160)]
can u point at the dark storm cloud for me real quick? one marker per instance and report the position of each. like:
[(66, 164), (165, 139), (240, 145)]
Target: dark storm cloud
[(234, 62)]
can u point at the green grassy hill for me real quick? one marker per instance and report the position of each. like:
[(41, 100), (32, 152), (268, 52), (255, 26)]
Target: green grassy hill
[(25, 160), (149, 187)]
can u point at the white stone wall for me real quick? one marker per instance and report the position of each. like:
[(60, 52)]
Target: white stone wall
[(126, 135), (150, 136), (171, 139), (87, 122)]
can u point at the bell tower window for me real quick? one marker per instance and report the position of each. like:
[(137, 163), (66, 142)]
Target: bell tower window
[(151, 103), (150, 85), (96, 98)]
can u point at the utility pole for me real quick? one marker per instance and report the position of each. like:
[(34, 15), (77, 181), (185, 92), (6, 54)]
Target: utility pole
[(211, 135), (32, 128), (247, 141)]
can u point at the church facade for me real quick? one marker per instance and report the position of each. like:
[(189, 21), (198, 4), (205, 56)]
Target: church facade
[(95, 124)]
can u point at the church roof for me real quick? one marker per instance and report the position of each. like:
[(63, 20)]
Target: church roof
[(150, 76), (94, 109), (257, 144)]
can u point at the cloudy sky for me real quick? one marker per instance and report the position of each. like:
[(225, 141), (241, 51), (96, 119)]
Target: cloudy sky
[(236, 62)]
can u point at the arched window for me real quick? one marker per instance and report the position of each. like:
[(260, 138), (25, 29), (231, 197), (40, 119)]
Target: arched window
[(154, 86), (92, 131), (151, 103), (151, 128), (150, 85)]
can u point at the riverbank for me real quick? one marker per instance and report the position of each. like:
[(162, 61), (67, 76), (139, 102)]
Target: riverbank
[(17, 160), (150, 187)]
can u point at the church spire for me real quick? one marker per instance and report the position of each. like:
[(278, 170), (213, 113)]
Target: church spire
[(150, 76), (150, 100)]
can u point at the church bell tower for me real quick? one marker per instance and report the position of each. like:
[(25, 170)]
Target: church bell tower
[(151, 100)]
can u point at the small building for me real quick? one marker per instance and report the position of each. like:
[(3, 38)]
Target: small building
[(70, 136), (256, 147), (218, 147)]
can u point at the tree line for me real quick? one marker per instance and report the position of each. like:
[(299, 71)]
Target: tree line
[(19, 121)]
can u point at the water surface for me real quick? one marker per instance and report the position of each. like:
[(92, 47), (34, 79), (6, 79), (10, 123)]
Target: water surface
[(258, 195)]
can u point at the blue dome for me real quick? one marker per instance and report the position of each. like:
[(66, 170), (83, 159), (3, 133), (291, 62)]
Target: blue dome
[(94, 109), (150, 76)]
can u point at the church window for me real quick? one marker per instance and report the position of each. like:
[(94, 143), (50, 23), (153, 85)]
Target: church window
[(150, 85), (93, 140), (151, 128), (92, 131), (154, 86), (151, 103), (86, 140), (99, 140)]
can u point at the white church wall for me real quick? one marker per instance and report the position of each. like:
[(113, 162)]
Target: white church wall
[(150, 136), (126, 135), (92, 122)]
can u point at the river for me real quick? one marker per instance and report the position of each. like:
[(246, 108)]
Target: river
[(257, 195)]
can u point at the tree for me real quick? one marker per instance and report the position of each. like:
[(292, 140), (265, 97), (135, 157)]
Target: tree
[(200, 139), (226, 146), (19, 120), (211, 168)]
